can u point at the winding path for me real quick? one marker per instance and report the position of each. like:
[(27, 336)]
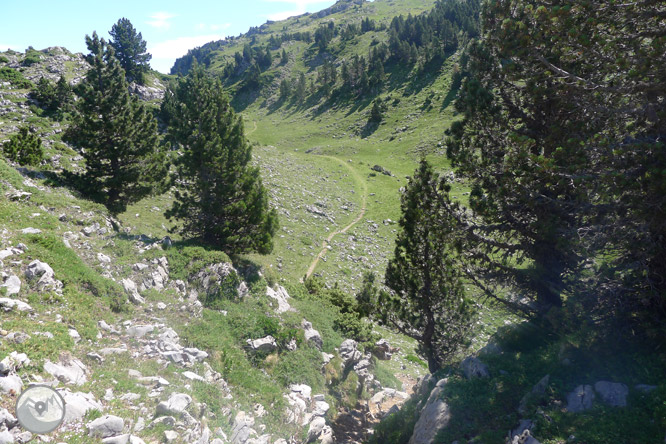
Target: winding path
[(360, 215)]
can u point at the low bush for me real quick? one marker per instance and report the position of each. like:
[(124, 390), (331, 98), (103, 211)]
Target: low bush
[(24, 148), (15, 78)]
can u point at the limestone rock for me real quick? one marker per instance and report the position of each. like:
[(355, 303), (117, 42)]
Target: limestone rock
[(44, 275), (6, 437), (434, 416), (72, 372), (175, 405), (9, 304), (349, 353), (242, 428), (11, 384), (105, 426), (265, 345), (312, 336), (12, 285), (13, 362), (612, 393), (132, 291), (124, 439), (281, 296), (7, 419), (314, 430), (473, 368), (77, 404), (139, 331), (580, 399)]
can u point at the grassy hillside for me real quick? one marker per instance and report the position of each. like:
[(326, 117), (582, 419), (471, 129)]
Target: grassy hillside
[(320, 151)]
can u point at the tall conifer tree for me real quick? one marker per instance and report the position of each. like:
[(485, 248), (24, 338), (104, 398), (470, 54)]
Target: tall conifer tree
[(117, 133), (130, 50), (221, 199), (428, 301)]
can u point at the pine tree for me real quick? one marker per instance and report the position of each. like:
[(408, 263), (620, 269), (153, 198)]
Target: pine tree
[(284, 58), (130, 50), (220, 200), (116, 131), (428, 301)]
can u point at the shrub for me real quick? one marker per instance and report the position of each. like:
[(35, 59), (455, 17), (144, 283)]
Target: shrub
[(4, 59), (15, 78), (24, 148), (31, 57)]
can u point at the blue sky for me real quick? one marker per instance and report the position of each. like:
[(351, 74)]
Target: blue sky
[(169, 27)]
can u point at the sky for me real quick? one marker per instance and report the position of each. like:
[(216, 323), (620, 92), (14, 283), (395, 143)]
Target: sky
[(170, 28)]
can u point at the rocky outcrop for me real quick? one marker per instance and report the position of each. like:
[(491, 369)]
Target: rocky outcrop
[(434, 416), (349, 353), (473, 368)]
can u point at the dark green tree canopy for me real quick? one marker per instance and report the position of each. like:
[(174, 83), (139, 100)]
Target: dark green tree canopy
[(562, 144), (130, 50), (116, 131), (220, 197), (428, 301)]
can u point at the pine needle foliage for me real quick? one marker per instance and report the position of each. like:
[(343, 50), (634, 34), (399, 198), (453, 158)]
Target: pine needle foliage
[(220, 198), (117, 133)]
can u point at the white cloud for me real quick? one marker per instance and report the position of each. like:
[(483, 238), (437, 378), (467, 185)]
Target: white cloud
[(165, 53), (297, 7), (161, 20)]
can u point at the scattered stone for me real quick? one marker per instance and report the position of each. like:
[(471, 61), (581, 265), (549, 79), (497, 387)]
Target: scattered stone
[(14, 361), (580, 399), (7, 419), (31, 230), (315, 429), (473, 368), (72, 372), (612, 393), (103, 258), (132, 292), (12, 285), (265, 345), (123, 439), (312, 336), (523, 433), (242, 428), (11, 384), (193, 376), (78, 404), (6, 437), (105, 426), (8, 304), (45, 275), (74, 334), (175, 405), (139, 331), (170, 436), (107, 328)]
